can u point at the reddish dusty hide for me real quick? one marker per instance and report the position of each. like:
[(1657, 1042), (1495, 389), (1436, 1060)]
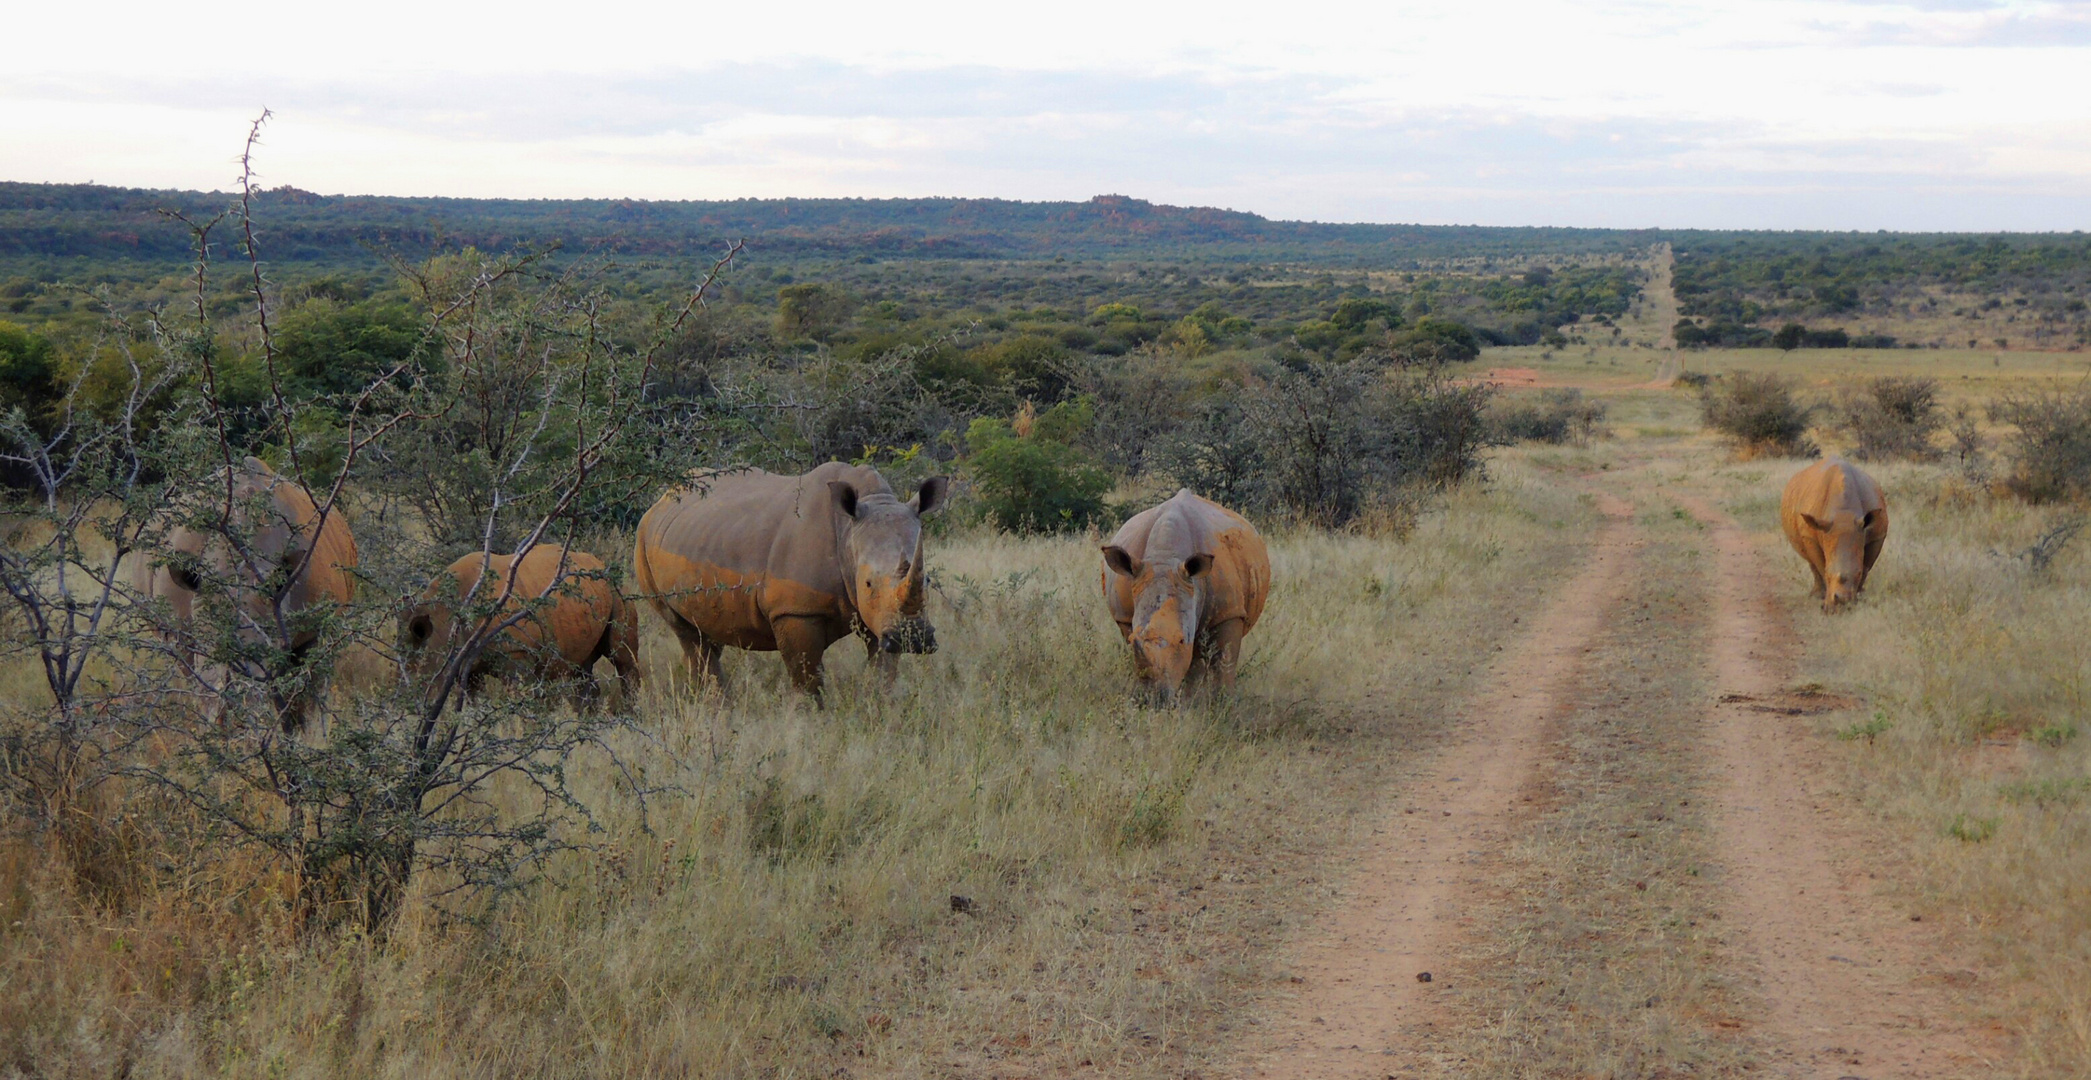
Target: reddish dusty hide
[(753, 560), (1186, 581), (1835, 516), (563, 616), (281, 532)]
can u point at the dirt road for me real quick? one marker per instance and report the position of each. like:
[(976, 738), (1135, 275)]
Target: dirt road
[(1628, 862)]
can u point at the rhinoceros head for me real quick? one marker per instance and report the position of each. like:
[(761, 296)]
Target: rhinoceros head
[(1843, 539), (256, 553), (882, 562), (1166, 614)]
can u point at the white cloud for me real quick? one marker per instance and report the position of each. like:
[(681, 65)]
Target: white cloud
[(1779, 113)]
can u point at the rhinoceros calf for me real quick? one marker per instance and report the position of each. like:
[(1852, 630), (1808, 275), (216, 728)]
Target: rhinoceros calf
[(284, 545), (753, 560), (563, 616), (1186, 581), (1835, 516)]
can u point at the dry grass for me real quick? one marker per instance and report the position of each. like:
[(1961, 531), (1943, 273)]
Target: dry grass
[(789, 913)]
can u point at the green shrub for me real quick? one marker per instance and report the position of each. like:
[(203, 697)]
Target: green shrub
[(2048, 457), (1031, 365), (1893, 418), (28, 370), (1758, 413), (1338, 442), (1216, 453), (1029, 483), (813, 311), (1555, 416), (1433, 340)]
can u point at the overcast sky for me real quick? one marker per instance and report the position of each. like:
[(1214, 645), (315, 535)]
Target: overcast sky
[(1925, 114)]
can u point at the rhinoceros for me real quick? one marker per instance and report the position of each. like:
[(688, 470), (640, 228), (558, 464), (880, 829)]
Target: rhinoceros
[(1835, 516), (753, 560), (1185, 582), (289, 563), (563, 616)]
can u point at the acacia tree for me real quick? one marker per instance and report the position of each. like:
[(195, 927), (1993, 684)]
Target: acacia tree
[(522, 414), (88, 504)]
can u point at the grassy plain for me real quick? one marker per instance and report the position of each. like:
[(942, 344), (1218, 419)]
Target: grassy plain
[(1133, 872), (789, 911)]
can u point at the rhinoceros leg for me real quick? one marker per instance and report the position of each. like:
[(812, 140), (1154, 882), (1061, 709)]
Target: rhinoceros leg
[(802, 643), (703, 656), (624, 653), (620, 645), (698, 649)]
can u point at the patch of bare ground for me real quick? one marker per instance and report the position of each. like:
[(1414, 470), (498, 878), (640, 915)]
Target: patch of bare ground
[(1604, 952), (1368, 977), (1850, 984)]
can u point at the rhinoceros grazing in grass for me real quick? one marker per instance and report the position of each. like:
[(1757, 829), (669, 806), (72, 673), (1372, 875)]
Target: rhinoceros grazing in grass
[(1186, 581), (562, 617), (788, 563), (1837, 518), (280, 562)]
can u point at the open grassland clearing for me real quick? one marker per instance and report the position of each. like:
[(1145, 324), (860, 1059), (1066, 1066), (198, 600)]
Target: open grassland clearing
[(1125, 870)]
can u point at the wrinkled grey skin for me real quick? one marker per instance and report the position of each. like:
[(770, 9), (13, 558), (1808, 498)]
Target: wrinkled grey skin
[(753, 560)]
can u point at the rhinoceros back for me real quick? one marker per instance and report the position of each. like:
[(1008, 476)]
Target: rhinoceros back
[(1186, 524), (736, 550)]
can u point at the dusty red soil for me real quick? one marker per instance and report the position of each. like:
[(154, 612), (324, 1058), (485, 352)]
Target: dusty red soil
[(1852, 986), (1361, 1005), (1846, 982), (1510, 376)]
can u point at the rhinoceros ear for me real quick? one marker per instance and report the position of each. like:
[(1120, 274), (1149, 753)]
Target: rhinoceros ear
[(845, 497), (930, 498), (1119, 560)]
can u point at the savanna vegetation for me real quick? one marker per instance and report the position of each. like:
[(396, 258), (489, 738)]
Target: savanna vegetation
[(269, 841)]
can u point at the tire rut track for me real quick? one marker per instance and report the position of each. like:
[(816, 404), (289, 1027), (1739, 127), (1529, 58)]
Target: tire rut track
[(1362, 1010), (1850, 986)]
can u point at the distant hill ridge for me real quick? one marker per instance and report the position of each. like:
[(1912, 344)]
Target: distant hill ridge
[(95, 221)]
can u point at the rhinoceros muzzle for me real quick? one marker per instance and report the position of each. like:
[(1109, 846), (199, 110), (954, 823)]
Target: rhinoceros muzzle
[(914, 636)]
